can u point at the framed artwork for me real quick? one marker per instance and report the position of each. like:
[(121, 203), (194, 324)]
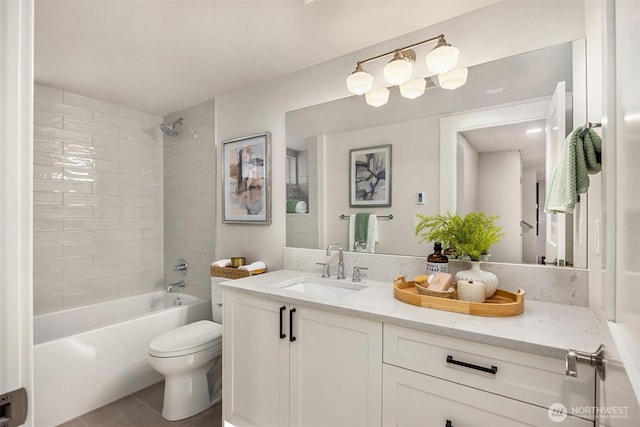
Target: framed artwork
[(246, 179), (370, 176)]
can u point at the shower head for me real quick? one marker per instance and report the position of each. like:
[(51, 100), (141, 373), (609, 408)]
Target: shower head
[(170, 129)]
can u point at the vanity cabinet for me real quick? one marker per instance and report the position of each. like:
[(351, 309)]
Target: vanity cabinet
[(432, 379), (290, 365)]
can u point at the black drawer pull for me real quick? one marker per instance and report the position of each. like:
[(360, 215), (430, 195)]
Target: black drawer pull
[(291, 337), (282, 334), (448, 424), (491, 370)]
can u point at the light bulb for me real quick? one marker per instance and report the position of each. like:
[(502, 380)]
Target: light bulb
[(413, 88), (359, 81), (453, 79), (398, 70), (442, 58), (377, 97)]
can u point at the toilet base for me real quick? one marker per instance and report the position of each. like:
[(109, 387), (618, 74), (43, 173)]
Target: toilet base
[(186, 396)]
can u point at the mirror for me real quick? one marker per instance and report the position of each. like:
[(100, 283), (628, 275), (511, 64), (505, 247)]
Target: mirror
[(499, 114)]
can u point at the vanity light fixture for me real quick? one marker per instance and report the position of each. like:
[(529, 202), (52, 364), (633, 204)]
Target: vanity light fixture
[(441, 60)]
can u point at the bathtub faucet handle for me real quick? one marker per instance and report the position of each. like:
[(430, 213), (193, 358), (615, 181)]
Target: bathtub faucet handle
[(176, 285)]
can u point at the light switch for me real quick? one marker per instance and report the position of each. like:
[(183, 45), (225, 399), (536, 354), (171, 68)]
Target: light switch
[(420, 198)]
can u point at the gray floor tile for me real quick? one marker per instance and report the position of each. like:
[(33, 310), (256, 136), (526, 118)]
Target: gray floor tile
[(76, 422), (126, 412), (152, 396)]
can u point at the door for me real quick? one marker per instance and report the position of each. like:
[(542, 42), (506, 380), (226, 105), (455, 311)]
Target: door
[(256, 361), (555, 136), (16, 158), (335, 370)]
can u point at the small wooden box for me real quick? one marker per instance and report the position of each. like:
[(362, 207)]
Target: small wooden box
[(233, 273)]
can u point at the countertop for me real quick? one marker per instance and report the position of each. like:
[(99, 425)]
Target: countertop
[(545, 329)]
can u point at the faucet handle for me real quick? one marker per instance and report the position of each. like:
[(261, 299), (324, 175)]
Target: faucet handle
[(356, 273), (325, 269)]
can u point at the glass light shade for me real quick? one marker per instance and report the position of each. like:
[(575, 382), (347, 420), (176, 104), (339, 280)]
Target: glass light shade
[(413, 88), (398, 71), (359, 82), (453, 79), (377, 97), (442, 59)]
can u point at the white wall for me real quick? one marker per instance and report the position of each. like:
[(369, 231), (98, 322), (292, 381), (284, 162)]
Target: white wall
[(467, 184), (490, 33), (499, 186), (97, 201), (529, 237), (189, 197)]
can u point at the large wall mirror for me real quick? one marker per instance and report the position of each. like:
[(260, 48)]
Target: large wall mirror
[(488, 146)]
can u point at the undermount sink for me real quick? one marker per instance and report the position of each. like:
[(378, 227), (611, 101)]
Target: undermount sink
[(314, 286)]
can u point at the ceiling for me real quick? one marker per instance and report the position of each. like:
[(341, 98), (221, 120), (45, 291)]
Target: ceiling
[(161, 56)]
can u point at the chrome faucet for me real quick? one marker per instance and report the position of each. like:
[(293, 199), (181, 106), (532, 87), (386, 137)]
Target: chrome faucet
[(359, 243), (177, 285), (337, 246)]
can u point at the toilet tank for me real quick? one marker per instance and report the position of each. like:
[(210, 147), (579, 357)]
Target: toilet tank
[(216, 298)]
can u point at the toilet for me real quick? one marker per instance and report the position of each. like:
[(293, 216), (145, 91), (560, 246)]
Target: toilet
[(190, 358)]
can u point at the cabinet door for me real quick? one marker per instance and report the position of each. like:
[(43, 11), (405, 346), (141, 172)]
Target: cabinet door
[(335, 369), (412, 399), (256, 362)]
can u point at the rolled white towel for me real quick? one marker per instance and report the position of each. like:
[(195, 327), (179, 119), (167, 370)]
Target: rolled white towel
[(226, 262), (254, 266)]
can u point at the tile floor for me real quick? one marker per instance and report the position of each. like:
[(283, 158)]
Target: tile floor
[(143, 409)]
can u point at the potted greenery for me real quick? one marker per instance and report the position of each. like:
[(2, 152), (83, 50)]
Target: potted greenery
[(470, 236)]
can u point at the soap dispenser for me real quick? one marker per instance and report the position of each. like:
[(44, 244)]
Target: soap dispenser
[(437, 262)]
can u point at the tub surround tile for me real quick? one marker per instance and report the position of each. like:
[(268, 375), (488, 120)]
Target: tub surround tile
[(89, 174)]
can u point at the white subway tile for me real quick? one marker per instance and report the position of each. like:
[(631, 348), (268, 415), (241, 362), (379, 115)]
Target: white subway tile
[(47, 172), (90, 248), (143, 137), (47, 92), (130, 212), (58, 237), (105, 188), (137, 289), (88, 298), (57, 108), (141, 223), (61, 160), (117, 235), (48, 224), (47, 278), (47, 199), (145, 180), (140, 190), (106, 212), (72, 149), (131, 245), (117, 144), (152, 212), (47, 119), (90, 127), (201, 246), (62, 212), (153, 233), (152, 170), (47, 146), (90, 175), (152, 150), (48, 132), (91, 224), (91, 272), (47, 251), (142, 116), (73, 199), (140, 158), (133, 267), (59, 290), (61, 186), (130, 167), (143, 202), (154, 254), (61, 263), (128, 279), (45, 306), (90, 103)]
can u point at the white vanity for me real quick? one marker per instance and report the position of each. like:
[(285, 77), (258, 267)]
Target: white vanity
[(302, 350)]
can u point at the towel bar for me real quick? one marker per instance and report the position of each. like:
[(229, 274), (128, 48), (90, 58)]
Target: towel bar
[(390, 216)]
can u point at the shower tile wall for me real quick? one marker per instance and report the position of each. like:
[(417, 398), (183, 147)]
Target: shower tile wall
[(98, 201), (189, 191)]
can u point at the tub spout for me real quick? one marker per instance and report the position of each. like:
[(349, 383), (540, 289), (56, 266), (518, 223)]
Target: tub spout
[(176, 285)]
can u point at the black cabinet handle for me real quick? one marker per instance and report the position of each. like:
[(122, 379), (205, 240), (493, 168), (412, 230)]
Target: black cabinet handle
[(491, 370), (282, 334), (448, 424), (291, 337)]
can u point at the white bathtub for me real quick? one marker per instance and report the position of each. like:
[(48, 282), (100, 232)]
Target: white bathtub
[(87, 357)]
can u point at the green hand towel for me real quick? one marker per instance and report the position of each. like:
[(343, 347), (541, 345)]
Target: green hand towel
[(291, 205), (361, 227)]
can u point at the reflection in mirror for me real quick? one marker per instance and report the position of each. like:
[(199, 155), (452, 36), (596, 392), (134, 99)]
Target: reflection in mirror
[(324, 134)]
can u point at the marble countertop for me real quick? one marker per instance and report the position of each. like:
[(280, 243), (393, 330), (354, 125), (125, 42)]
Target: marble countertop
[(546, 329)]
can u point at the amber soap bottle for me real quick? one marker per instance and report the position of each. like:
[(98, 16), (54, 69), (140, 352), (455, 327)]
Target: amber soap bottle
[(437, 262)]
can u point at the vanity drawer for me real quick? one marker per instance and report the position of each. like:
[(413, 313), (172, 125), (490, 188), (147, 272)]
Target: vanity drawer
[(527, 377)]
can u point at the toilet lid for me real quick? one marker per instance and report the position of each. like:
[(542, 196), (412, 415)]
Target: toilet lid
[(186, 339)]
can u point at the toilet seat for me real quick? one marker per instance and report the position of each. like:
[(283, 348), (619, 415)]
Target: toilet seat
[(187, 339)]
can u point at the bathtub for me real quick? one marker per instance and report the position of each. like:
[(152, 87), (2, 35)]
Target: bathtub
[(89, 356)]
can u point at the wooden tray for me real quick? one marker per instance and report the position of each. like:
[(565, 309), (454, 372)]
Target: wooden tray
[(502, 303), (233, 273)]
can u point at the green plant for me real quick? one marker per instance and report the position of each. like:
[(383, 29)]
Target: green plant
[(470, 236)]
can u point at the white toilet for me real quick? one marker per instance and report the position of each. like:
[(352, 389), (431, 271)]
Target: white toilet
[(190, 358)]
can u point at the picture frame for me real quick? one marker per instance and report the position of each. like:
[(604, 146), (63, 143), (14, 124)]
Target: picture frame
[(246, 180), (370, 176)]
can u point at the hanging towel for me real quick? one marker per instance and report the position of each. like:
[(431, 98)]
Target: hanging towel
[(363, 227), (582, 156)]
